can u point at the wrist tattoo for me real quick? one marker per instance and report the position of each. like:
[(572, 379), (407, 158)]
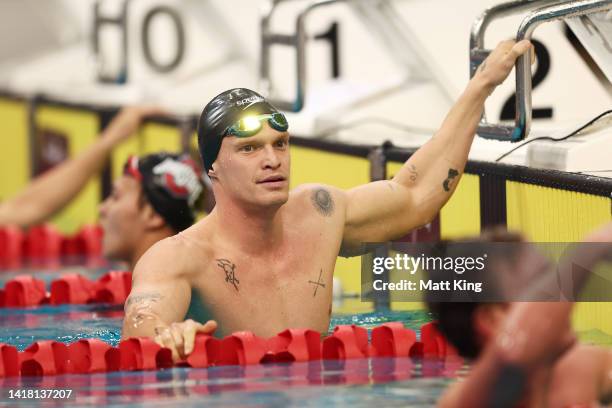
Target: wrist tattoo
[(323, 202), (318, 283), (448, 183), (230, 272)]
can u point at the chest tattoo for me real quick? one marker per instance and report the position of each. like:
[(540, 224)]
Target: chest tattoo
[(230, 272)]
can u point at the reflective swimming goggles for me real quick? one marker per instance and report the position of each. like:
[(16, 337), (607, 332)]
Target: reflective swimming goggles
[(250, 125)]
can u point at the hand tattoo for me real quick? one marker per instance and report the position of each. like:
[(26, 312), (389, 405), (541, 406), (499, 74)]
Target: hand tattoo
[(452, 173), (323, 202), (318, 283), (230, 272)]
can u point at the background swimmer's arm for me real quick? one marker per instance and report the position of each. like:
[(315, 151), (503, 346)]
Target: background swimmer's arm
[(53, 190), (386, 210), (160, 293)]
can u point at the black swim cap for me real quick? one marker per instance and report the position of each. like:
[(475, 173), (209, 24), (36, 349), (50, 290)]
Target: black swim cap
[(171, 183), (221, 113)]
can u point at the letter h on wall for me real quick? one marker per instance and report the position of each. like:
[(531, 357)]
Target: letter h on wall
[(120, 77)]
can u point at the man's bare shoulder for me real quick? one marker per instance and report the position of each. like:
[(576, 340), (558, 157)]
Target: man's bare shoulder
[(175, 256), (322, 199)]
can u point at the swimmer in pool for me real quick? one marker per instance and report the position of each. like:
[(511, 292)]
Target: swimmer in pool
[(157, 196), (525, 353), (52, 191), (263, 259)]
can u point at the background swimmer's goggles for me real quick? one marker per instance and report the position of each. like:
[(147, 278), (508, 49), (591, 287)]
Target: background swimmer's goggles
[(250, 125)]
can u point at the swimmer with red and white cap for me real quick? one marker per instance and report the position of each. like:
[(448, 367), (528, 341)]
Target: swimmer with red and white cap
[(157, 196), (263, 259)]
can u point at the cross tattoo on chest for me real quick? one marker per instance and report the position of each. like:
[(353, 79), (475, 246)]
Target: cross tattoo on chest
[(318, 283)]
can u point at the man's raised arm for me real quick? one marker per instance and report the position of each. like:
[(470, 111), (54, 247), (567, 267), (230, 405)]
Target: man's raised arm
[(159, 301), (386, 210)]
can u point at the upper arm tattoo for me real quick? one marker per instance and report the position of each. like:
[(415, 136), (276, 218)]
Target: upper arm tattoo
[(412, 170), (448, 183), (322, 201)]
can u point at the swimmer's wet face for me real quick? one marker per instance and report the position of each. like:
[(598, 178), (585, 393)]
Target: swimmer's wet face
[(120, 217), (243, 142), (254, 170)]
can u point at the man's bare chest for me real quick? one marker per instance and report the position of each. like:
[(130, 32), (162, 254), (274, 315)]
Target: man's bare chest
[(232, 273)]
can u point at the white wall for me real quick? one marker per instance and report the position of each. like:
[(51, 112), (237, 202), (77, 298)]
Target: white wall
[(441, 26)]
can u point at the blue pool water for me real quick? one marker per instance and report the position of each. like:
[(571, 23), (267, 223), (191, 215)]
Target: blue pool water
[(68, 323), (365, 382)]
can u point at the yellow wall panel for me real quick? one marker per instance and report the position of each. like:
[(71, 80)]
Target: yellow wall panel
[(81, 129), (592, 321), (155, 137), (14, 147), (460, 217), (545, 214), (317, 166)]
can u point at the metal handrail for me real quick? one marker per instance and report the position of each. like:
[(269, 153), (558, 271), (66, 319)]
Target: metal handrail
[(478, 54)]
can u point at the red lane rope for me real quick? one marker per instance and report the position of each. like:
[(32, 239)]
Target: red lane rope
[(72, 288), (45, 244), (48, 357)]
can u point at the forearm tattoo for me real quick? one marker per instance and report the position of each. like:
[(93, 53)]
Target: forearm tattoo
[(448, 183), (143, 297), (138, 308), (323, 202), (317, 284), (230, 272)]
